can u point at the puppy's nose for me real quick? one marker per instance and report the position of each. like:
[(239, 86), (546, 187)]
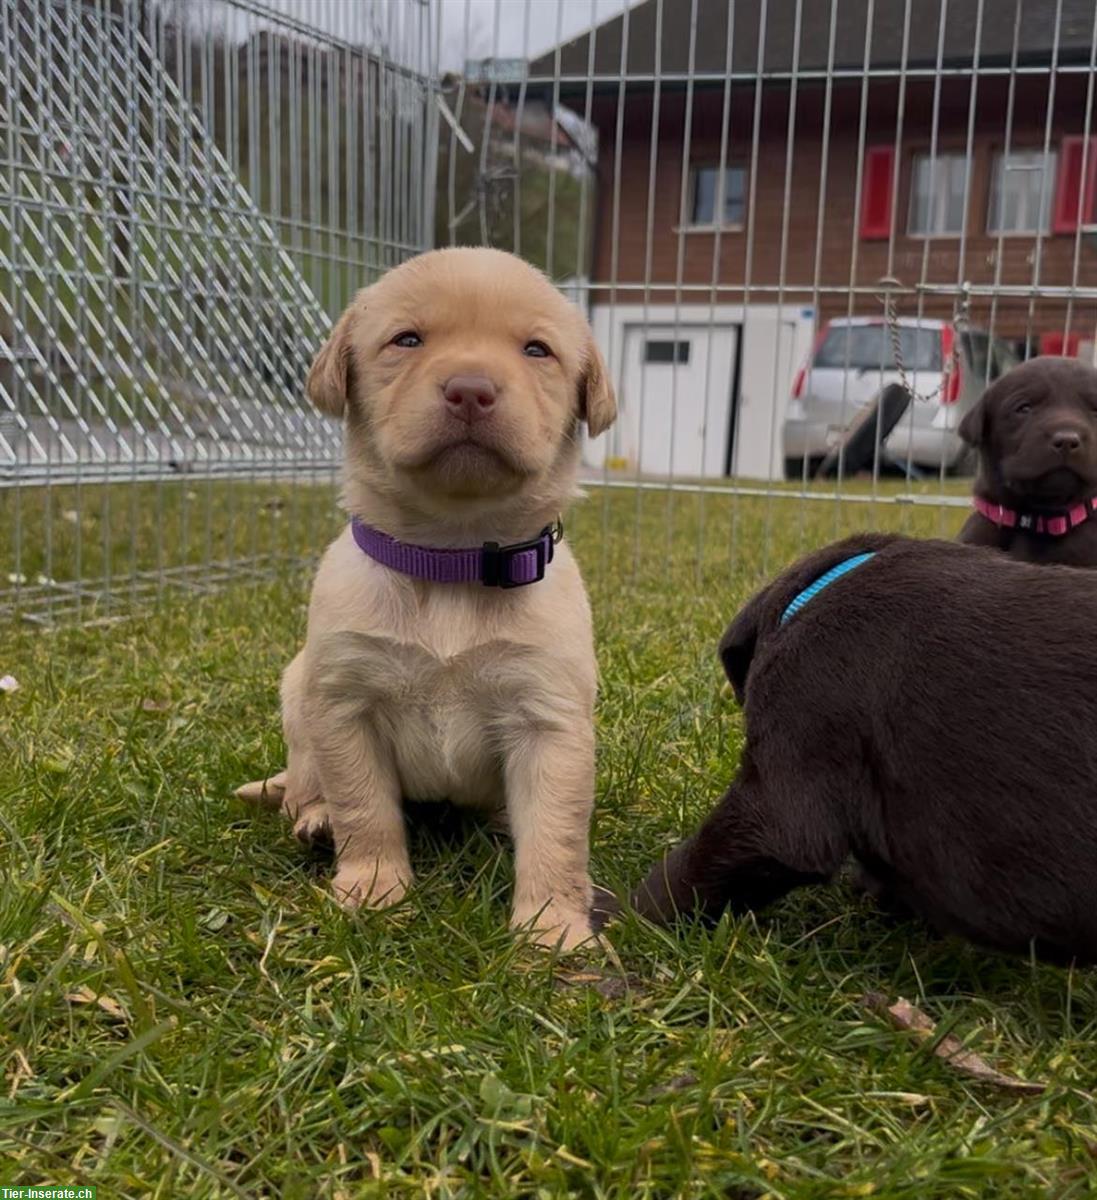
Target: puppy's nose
[(1066, 441), (469, 396)]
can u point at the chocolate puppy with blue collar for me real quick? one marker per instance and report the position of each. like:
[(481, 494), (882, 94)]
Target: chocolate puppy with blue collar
[(912, 704)]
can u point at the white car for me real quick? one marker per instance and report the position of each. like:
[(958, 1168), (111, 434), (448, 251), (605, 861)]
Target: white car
[(853, 360)]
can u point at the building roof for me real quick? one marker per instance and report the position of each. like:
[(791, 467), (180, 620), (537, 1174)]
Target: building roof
[(1036, 38)]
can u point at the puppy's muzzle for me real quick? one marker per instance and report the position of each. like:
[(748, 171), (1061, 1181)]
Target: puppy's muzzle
[(469, 398), (1067, 443)]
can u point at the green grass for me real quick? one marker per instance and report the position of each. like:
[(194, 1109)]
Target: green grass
[(184, 1011)]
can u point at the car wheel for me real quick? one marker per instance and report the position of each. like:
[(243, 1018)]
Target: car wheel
[(794, 468)]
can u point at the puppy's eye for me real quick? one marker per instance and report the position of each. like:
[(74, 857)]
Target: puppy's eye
[(1021, 409), (408, 340), (536, 350)]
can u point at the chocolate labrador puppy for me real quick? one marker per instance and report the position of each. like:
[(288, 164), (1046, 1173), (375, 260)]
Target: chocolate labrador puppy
[(1035, 430), (860, 669)]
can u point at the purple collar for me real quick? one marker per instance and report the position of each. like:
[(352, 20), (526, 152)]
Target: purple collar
[(490, 564)]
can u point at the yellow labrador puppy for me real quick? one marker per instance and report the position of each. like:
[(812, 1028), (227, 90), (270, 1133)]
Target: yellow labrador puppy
[(449, 651)]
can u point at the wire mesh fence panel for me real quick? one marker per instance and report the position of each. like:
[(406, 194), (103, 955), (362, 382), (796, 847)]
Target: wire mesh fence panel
[(808, 234), (189, 192)]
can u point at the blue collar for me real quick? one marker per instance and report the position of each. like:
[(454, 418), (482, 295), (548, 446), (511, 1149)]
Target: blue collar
[(809, 593)]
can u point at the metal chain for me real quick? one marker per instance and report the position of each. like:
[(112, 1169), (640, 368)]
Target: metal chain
[(959, 325)]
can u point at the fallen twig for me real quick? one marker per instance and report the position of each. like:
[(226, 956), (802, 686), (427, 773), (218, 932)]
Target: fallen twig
[(905, 1016)]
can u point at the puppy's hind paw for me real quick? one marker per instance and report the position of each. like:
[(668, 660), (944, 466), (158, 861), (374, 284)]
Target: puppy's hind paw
[(269, 792)]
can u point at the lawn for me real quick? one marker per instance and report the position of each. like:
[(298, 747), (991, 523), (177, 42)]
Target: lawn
[(185, 1012)]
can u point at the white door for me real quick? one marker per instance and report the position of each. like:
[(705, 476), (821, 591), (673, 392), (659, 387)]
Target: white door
[(676, 397)]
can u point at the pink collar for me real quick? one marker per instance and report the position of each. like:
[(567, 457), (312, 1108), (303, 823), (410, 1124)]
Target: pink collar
[(1053, 524)]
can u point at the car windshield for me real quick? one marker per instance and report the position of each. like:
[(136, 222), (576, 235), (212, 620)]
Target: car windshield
[(869, 348)]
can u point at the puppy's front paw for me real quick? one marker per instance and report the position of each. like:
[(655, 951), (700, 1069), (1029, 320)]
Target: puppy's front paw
[(374, 884), (553, 926)]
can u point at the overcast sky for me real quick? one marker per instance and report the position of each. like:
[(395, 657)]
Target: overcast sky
[(515, 28), (469, 28)]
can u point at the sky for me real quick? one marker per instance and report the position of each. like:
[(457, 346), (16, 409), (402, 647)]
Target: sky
[(514, 28), (469, 28)]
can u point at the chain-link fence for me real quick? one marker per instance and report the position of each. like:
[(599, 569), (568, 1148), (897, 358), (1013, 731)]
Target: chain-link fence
[(773, 211)]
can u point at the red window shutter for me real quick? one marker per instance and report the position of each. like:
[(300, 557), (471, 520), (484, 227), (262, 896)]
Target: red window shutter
[(1055, 343), (876, 191), (1073, 194)]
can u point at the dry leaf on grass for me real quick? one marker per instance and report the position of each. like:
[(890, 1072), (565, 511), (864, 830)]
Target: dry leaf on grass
[(154, 706), (613, 987), (906, 1017), (679, 1083), (215, 920), (22, 1072), (84, 995)]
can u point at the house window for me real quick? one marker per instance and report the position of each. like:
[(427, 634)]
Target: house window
[(938, 187), (666, 352), (1021, 189), (709, 196)]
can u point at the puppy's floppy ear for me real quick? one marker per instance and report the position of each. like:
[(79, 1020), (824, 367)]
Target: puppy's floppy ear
[(975, 427), (329, 379), (739, 642), (597, 403)]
